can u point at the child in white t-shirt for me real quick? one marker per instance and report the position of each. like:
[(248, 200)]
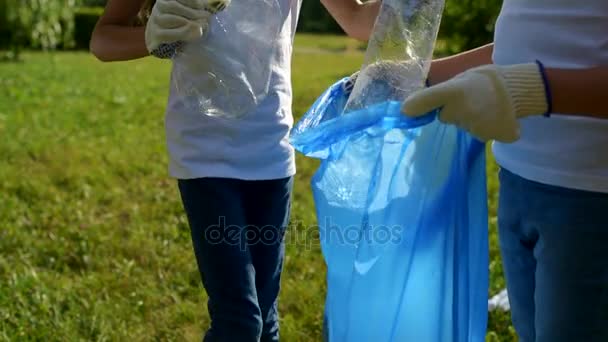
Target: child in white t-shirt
[(235, 176)]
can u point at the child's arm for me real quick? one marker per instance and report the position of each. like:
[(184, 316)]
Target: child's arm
[(445, 68), (114, 37), (580, 92), (488, 100), (171, 21), (356, 19)]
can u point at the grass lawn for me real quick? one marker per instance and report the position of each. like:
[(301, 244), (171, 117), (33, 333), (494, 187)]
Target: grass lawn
[(94, 245)]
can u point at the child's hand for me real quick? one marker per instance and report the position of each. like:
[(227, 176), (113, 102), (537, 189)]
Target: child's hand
[(173, 22), (486, 101)]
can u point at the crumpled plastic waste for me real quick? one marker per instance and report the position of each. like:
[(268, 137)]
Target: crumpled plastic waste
[(226, 73), (499, 301)]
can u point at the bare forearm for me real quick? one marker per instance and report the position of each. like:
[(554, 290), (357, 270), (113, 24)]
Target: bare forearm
[(118, 43), (114, 37), (580, 92), (356, 19), (445, 68)]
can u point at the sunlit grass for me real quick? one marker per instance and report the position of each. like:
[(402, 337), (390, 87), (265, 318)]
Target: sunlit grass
[(94, 245)]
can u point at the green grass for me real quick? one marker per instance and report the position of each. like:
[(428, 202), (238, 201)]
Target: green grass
[(329, 43), (94, 244)]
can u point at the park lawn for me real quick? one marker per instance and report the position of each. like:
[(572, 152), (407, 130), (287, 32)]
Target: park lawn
[(94, 245)]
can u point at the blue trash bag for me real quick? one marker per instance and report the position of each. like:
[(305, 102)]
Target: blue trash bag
[(402, 209)]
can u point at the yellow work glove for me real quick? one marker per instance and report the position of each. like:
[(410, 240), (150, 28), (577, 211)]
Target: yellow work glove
[(486, 101)]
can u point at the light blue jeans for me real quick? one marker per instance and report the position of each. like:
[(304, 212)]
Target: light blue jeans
[(554, 245)]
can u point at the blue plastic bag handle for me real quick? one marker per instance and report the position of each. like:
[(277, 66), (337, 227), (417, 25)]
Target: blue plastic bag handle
[(396, 119)]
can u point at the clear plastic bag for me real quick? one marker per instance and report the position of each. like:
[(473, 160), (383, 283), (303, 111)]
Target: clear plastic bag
[(227, 72), (399, 53)]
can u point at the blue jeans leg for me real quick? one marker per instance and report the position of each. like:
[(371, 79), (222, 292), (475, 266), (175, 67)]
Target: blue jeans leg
[(239, 261), (216, 216), (553, 243), (267, 212)]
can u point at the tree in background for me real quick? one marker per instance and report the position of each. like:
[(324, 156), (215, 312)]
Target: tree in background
[(45, 24), (93, 3), (49, 24), (315, 19), (467, 24)]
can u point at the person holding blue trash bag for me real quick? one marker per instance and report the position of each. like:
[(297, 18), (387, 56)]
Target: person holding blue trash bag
[(539, 92), (401, 203)]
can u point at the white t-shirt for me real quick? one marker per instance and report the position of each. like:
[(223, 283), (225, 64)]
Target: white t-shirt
[(563, 150), (254, 147)]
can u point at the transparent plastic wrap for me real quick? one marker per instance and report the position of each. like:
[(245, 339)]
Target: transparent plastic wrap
[(227, 72), (399, 53)]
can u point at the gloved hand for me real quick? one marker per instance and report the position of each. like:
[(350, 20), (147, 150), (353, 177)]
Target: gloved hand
[(173, 22), (486, 101)]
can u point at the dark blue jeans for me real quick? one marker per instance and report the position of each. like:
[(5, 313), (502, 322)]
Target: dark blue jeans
[(238, 237), (554, 244)]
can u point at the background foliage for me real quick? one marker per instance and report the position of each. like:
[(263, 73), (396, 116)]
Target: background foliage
[(466, 23), (315, 19), (93, 3), (85, 19), (45, 24), (49, 24)]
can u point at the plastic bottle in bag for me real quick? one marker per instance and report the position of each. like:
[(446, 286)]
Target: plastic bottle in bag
[(399, 53), (226, 73)]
